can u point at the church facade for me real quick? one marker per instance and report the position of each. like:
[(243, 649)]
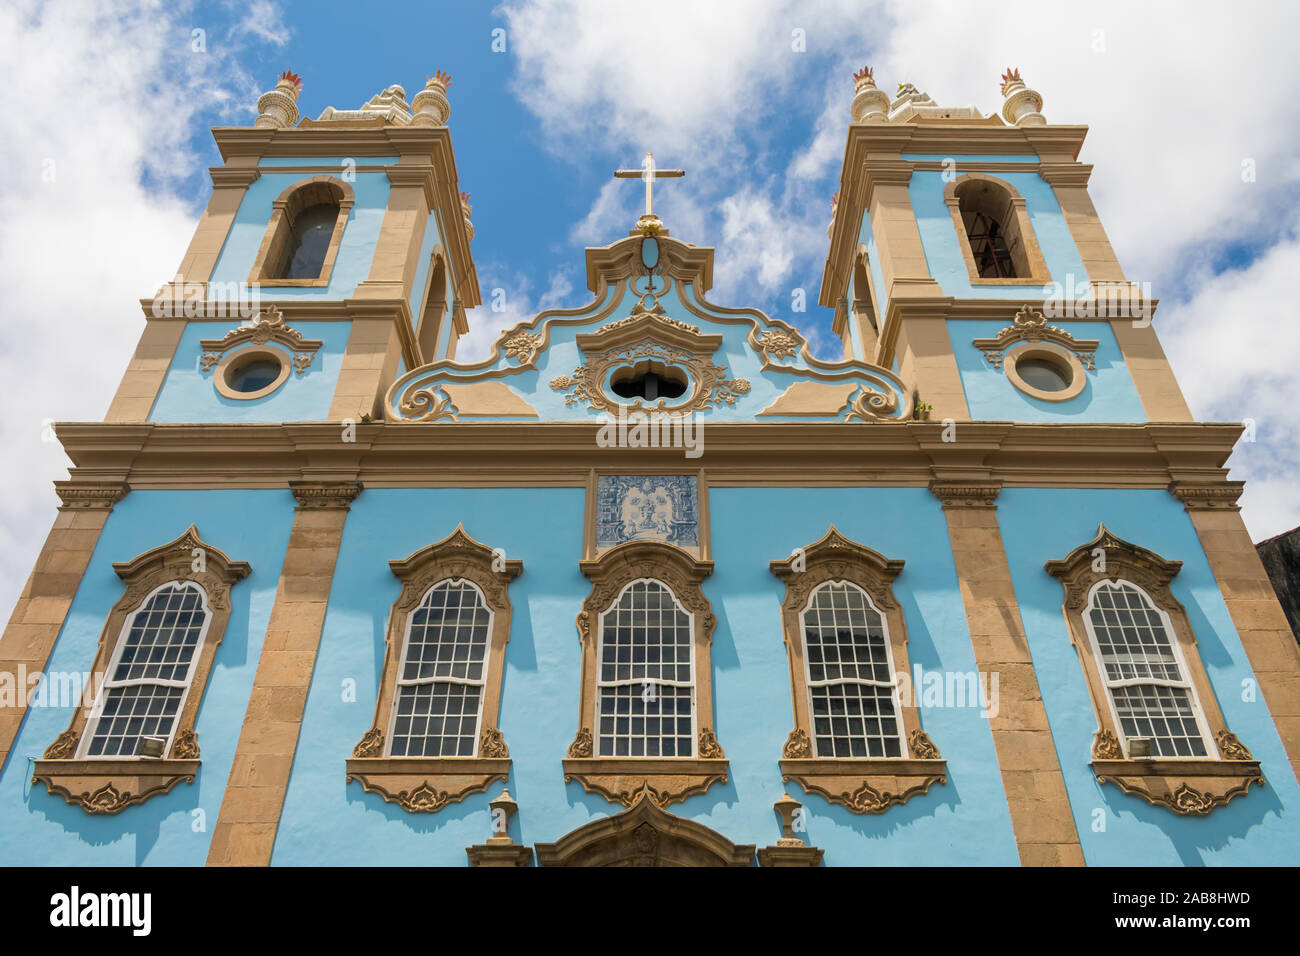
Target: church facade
[(651, 584)]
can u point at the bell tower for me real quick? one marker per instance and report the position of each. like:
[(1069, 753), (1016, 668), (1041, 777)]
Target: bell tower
[(333, 256), (947, 225)]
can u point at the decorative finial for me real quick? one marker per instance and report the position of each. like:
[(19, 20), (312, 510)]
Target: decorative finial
[(870, 105), (430, 105), (786, 808), (465, 208), (503, 808), (1011, 78), (278, 108), (835, 201), (1022, 106)]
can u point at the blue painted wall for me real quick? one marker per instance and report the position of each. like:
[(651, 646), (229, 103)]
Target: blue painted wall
[(1258, 828), (1108, 396), (356, 249), (328, 821), (188, 393), (42, 829)]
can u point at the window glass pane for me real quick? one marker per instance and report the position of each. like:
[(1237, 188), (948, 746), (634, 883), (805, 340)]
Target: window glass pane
[(436, 720), (141, 710), (645, 692), (1131, 635), (448, 634), (163, 637)]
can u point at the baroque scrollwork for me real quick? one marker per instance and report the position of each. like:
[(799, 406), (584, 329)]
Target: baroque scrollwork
[(1030, 325), (268, 326)]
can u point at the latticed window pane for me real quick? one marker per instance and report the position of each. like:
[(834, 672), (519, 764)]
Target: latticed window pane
[(440, 684), (1131, 635), (141, 710), (448, 635), (1165, 714), (438, 719), (1151, 694), (164, 634), (855, 720), (650, 721), (142, 695), (850, 675), (645, 692)]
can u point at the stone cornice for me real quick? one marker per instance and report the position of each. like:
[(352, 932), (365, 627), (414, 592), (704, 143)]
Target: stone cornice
[(969, 495), (562, 454), (226, 177), (90, 495), (324, 494), (1213, 496)]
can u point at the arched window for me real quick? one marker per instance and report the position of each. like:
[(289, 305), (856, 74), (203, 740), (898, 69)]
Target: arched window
[(996, 237), (150, 673), (857, 737), (646, 686), (645, 714), (439, 698), (434, 739), (1160, 733), (136, 739), (303, 235), (850, 674), (433, 313), (1142, 671)]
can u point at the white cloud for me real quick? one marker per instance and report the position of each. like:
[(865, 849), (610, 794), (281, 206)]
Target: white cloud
[(514, 304), (108, 103)]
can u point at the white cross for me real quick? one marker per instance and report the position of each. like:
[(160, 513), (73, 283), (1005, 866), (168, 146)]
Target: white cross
[(649, 174)]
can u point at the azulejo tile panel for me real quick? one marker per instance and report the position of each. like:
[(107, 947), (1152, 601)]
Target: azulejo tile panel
[(647, 508)]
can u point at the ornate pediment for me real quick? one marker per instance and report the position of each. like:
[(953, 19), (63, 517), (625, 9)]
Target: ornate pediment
[(268, 326), (649, 317), (1030, 325)]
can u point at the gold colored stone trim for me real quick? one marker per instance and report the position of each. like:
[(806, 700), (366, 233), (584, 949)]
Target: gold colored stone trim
[(268, 326), (1217, 496), (971, 495), (220, 377), (865, 786), (90, 495), (644, 835), (1030, 325), (107, 787), (324, 494), (426, 784), (1187, 787), (665, 780)]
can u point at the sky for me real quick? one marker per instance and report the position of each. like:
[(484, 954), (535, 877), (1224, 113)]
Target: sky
[(104, 149)]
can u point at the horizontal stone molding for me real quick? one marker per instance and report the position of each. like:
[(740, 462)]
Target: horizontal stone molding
[(1187, 787), (1216, 496), (324, 494), (90, 495), (665, 780), (426, 784)]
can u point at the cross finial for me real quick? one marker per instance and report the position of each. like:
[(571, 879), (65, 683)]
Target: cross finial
[(649, 223)]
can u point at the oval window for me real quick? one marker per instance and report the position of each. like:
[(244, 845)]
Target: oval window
[(254, 375), (1044, 374)]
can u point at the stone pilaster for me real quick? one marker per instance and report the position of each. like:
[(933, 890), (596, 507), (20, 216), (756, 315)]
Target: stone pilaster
[(1256, 614), (42, 608), (1031, 770), (259, 776)]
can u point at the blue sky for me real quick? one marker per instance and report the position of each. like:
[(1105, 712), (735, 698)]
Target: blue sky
[(1195, 129)]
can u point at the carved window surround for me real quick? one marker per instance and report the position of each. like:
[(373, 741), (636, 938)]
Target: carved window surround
[(279, 230), (862, 785), (665, 780), (427, 784), (1031, 326), (268, 327), (101, 785), (648, 334), (1017, 229), (1189, 786)]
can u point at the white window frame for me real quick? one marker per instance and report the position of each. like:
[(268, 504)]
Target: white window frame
[(101, 693), (809, 683), (602, 684), (481, 683), (1202, 724)]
